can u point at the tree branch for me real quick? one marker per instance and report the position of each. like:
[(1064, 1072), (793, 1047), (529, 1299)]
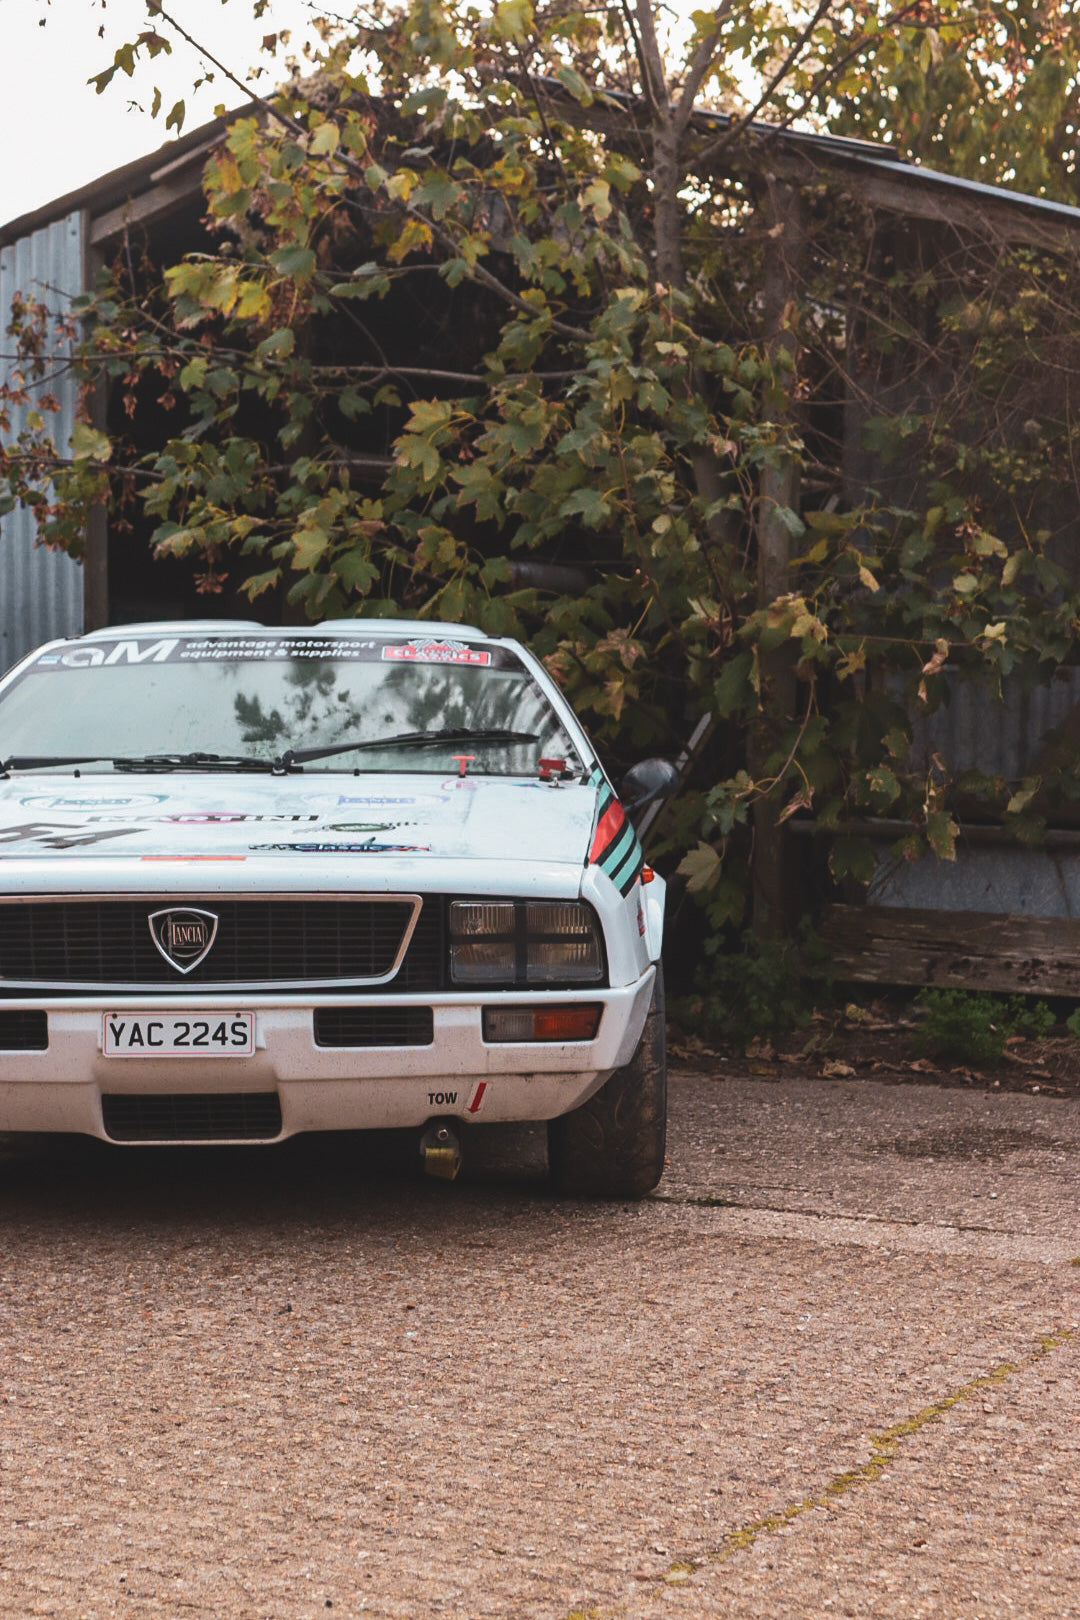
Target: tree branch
[(736, 128), (702, 60), (652, 63), (485, 277)]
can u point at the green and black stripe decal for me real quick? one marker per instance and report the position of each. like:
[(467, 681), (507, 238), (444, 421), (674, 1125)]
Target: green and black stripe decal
[(615, 848)]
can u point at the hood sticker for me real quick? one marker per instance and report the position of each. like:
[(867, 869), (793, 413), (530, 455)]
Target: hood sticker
[(92, 801), (349, 849), (62, 836), (615, 848)]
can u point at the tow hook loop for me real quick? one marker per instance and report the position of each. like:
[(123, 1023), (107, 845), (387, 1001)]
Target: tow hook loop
[(440, 1150)]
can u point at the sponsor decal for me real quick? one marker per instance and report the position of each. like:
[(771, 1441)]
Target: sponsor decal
[(615, 848), (381, 798), (364, 826), (368, 848), (96, 801), (437, 651), (210, 818), (640, 919), (213, 649), (455, 784), (60, 836), (100, 654), (260, 649)]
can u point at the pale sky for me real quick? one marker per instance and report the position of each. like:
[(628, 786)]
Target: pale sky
[(59, 134)]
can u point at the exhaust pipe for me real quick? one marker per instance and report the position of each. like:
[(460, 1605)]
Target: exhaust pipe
[(440, 1149)]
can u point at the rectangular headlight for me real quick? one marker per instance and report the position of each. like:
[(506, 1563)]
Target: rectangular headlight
[(514, 942)]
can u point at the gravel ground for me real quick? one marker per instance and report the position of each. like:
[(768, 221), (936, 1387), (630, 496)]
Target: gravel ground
[(829, 1370)]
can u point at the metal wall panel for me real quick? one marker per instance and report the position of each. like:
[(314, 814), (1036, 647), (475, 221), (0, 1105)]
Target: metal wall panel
[(983, 877), (41, 591), (976, 731)]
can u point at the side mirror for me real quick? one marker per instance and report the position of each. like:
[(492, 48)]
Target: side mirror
[(649, 779)]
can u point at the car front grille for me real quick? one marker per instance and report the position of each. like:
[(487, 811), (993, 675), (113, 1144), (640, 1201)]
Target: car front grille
[(241, 1116), (24, 1031), (374, 1026), (306, 942)]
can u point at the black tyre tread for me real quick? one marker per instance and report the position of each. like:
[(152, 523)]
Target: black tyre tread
[(613, 1145)]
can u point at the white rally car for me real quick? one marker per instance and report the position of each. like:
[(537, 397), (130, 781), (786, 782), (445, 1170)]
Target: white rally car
[(370, 874)]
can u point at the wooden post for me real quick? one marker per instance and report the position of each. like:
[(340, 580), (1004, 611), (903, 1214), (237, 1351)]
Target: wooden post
[(96, 538), (779, 489)]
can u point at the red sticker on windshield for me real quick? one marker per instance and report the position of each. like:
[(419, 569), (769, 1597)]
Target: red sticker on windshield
[(438, 652)]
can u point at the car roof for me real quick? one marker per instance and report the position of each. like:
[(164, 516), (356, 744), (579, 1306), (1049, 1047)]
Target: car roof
[(251, 627)]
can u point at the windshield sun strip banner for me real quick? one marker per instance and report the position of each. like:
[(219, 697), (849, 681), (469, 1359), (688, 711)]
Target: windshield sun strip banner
[(615, 847), (149, 650)]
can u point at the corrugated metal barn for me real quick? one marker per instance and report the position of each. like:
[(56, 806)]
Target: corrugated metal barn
[(52, 255)]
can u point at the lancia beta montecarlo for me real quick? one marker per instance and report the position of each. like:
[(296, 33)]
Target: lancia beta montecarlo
[(369, 874)]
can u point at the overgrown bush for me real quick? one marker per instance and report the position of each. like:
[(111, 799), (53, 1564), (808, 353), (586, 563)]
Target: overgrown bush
[(761, 988), (975, 1027), (480, 289)]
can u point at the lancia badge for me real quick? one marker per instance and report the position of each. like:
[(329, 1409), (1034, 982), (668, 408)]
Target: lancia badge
[(183, 936)]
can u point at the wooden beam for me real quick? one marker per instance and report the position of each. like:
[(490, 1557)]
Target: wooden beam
[(96, 536), (778, 496), (179, 188), (964, 950)]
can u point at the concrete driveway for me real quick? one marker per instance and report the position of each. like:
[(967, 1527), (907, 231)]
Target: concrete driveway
[(830, 1369)]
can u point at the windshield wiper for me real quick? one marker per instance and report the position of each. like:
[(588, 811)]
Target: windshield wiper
[(34, 762), (406, 739), (195, 762), (290, 760), (145, 762)]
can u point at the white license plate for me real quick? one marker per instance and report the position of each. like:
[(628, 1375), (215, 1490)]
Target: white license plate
[(173, 1034)]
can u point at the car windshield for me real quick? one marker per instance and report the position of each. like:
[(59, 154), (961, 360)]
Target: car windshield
[(260, 696)]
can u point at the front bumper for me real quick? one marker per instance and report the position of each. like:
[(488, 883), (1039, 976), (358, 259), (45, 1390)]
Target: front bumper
[(324, 1088)]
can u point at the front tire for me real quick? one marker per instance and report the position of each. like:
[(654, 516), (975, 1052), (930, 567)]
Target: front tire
[(613, 1145)]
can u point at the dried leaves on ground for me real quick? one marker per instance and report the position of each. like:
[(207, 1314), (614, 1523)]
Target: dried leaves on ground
[(880, 1040)]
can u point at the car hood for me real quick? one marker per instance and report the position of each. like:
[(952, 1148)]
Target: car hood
[(262, 817)]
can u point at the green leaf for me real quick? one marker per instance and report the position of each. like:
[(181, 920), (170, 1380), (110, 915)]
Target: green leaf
[(255, 584), (437, 192), (353, 402), (597, 197), (417, 452), (87, 444), (852, 858), (1023, 795), (355, 570), (578, 87), (325, 140), (294, 261), (735, 688), (309, 547), (701, 868), (278, 345), (941, 834), (513, 19), (589, 504), (883, 786)]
